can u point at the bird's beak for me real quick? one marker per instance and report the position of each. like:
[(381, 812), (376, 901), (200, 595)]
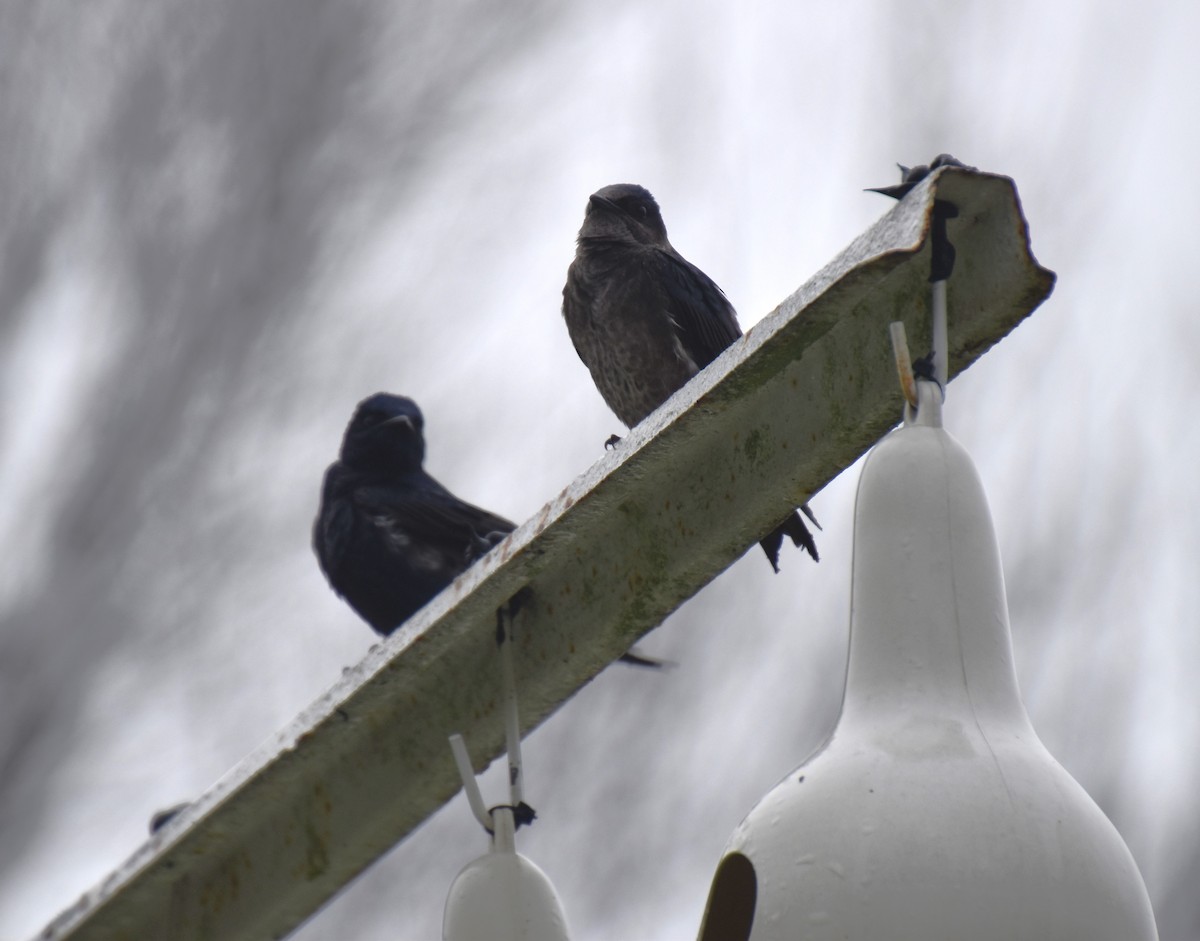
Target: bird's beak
[(400, 420), (597, 201)]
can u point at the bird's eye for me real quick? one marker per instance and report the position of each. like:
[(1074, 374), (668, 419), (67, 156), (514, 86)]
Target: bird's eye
[(643, 212)]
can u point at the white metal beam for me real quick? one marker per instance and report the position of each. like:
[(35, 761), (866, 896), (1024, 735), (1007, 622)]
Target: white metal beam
[(773, 420)]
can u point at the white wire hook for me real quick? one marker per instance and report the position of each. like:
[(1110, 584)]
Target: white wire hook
[(516, 807)]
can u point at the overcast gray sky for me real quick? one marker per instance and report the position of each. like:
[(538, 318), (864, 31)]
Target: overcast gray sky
[(224, 223)]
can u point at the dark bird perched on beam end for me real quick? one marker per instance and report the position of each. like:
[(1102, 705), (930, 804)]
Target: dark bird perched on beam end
[(645, 320)]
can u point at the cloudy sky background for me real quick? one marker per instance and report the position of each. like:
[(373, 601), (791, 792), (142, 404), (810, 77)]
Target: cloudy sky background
[(224, 223)]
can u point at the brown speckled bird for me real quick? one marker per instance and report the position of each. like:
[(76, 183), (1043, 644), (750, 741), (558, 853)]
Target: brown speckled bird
[(645, 320)]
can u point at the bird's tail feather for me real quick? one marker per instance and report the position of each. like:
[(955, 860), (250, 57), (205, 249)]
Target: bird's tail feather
[(793, 527), (634, 659)]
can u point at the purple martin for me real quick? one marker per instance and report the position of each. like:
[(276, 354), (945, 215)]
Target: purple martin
[(388, 536), (941, 250), (911, 176), (645, 320)]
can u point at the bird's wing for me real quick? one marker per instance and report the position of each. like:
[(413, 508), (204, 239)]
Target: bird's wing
[(704, 319), (334, 526), (576, 303), (426, 514)]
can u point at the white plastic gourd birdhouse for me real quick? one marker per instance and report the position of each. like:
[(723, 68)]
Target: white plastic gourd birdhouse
[(503, 896), (933, 811)]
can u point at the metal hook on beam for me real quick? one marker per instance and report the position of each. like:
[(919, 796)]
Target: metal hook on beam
[(521, 812)]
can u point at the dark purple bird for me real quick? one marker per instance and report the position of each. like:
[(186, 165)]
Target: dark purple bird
[(645, 320), (388, 536)]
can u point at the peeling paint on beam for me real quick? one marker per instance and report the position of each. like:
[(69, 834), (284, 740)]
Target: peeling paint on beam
[(774, 419)]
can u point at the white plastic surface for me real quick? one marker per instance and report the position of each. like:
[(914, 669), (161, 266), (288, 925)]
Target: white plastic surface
[(503, 896), (933, 812)]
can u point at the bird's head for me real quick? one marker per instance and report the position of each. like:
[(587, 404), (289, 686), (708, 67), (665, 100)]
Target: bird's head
[(385, 434), (624, 212)]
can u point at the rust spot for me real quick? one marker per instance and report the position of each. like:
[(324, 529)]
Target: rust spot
[(316, 855)]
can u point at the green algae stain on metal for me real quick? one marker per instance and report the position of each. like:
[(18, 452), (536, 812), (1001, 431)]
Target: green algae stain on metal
[(316, 856), (755, 446)]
